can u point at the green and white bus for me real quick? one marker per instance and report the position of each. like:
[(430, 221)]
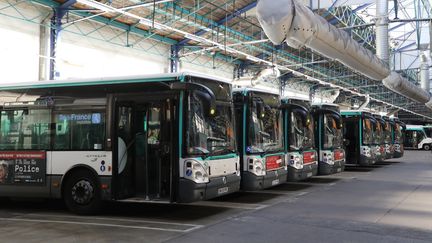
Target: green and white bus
[(302, 157), (358, 129), (157, 138), (398, 137), (379, 138), (328, 138), (388, 137), (260, 138), (416, 138)]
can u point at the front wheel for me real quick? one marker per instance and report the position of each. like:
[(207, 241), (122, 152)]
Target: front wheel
[(427, 147), (81, 193)]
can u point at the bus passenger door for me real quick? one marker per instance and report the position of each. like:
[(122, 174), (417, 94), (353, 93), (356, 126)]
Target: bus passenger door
[(153, 150)]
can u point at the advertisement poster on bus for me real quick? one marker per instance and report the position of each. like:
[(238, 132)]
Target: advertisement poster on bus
[(22, 168)]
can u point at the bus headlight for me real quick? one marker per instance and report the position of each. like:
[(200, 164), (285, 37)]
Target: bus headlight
[(296, 161), (366, 151), (328, 158), (195, 171), (257, 166)]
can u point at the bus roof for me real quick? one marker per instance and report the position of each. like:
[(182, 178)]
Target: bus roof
[(107, 80), (250, 89), (415, 127)]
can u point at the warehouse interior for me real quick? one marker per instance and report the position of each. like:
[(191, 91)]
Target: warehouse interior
[(372, 56)]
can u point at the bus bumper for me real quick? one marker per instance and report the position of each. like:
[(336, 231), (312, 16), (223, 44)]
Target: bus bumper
[(252, 182), (327, 169), (365, 161), (308, 171), (190, 191)]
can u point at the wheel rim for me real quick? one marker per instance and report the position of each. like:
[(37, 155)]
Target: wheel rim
[(82, 192)]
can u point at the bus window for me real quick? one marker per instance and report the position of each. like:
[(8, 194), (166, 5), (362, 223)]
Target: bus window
[(25, 129), (79, 131)]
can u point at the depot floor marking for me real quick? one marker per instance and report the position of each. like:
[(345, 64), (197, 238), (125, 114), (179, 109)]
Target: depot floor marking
[(106, 222)]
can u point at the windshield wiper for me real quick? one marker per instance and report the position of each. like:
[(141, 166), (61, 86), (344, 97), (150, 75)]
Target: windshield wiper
[(215, 139)]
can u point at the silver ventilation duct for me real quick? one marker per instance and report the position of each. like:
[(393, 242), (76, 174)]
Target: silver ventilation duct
[(291, 22), (400, 85), (382, 30)]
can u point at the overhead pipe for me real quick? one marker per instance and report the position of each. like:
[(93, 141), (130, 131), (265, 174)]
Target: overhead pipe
[(291, 22), (382, 30)]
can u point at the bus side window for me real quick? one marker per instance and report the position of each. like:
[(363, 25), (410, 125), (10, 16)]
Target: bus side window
[(25, 129), (83, 130)]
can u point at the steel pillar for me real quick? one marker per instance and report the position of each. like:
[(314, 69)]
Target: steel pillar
[(174, 59)]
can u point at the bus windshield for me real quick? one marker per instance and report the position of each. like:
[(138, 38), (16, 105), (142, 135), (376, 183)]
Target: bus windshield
[(265, 130), (387, 133), (301, 134), (332, 133), (398, 133), (367, 131), (209, 134), (378, 134)]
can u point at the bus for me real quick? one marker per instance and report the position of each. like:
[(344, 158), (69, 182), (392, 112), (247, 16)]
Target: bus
[(260, 138), (388, 137), (156, 138), (398, 134), (379, 138), (416, 138), (328, 138), (358, 130), (302, 157)]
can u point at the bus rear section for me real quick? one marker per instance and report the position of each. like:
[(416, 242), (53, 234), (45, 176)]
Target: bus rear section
[(416, 138), (160, 138), (358, 129), (329, 138), (301, 156), (398, 137), (260, 138)]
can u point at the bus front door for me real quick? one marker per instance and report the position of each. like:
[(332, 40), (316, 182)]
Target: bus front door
[(146, 171)]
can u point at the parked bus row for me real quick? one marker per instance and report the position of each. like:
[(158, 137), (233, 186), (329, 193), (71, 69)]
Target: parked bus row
[(172, 138)]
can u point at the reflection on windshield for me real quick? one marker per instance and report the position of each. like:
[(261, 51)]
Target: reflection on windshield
[(367, 131), (398, 133), (265, 131), (387, 133), (209, 135), (301, 136), (378, 134), (332, 133)]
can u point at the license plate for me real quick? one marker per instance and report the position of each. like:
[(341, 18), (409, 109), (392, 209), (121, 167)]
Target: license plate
[(222, 190), (309, 174), (275, 182), (339, 169)]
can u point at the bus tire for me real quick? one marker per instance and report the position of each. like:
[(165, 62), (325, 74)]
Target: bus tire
[(82, 193), (427, 147)]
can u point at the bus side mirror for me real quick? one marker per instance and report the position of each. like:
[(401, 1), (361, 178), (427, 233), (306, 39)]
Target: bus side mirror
[(204, 93)]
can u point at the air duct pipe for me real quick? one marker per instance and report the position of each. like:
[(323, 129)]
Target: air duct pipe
[(382, 30), (402, 86), (424, 73), (291, 22)]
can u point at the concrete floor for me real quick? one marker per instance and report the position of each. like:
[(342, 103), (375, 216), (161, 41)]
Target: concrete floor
[(390, 202)]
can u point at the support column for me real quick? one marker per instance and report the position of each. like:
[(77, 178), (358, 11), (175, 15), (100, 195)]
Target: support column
[(175, 59), (382, 30), (56, 27), (44, 39)]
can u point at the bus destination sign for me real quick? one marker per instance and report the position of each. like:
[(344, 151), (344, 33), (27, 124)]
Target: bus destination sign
[(22, 168)]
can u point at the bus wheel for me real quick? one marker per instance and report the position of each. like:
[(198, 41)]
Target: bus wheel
[(427, 147), (81, 193)]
